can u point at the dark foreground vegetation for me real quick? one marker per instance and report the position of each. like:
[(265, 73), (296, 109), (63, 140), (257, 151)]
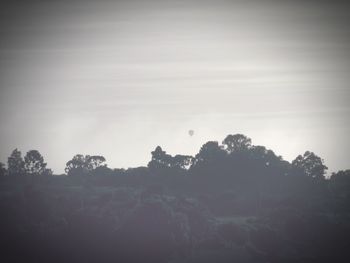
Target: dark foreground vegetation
[(232, 202)]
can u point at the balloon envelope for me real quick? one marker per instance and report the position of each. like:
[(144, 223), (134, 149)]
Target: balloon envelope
[(191, 132)]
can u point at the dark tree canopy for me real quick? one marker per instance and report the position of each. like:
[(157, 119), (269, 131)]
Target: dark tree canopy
[(261, 154), (15, 163), (3, 170), (341, 175), (182, 161), (232, 202), (34, 163), (342, 178), (161, 160), (80, 164), (94, 161), (76, 166), (310, 164), (210, 152), (237, 142)]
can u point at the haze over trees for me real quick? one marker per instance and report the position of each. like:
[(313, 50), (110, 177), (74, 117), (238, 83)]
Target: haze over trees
[(231, 202)]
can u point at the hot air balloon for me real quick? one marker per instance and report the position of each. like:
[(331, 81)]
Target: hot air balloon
[(191, 132)]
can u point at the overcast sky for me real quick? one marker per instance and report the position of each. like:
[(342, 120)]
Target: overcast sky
[(118, 78)]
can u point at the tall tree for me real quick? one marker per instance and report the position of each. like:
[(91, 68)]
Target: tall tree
[(34, 163), (76, 166), (237, 142), (15, 163), (160, 159), (311, 164)]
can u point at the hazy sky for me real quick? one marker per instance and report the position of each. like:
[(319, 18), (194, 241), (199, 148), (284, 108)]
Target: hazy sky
[(118, 78)]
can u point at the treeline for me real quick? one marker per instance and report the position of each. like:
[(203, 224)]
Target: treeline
[(235, 157), (234, 177), (231, 202), (32, 164)]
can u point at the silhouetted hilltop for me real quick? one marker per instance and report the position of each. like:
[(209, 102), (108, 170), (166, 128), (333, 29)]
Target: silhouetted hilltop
[(231, 202)]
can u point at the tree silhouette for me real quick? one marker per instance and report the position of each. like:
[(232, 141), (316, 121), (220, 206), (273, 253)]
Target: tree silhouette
[(266, 157), (236, 202), (82, 165), (76, 166), (341, 175), (3, 170), (94, 161), (237, 142), (34, 163), (182, 161), (15, 163), (311, 164), (160, 159), (341, 183), (210, 152), (209, 163), (47, 172)]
